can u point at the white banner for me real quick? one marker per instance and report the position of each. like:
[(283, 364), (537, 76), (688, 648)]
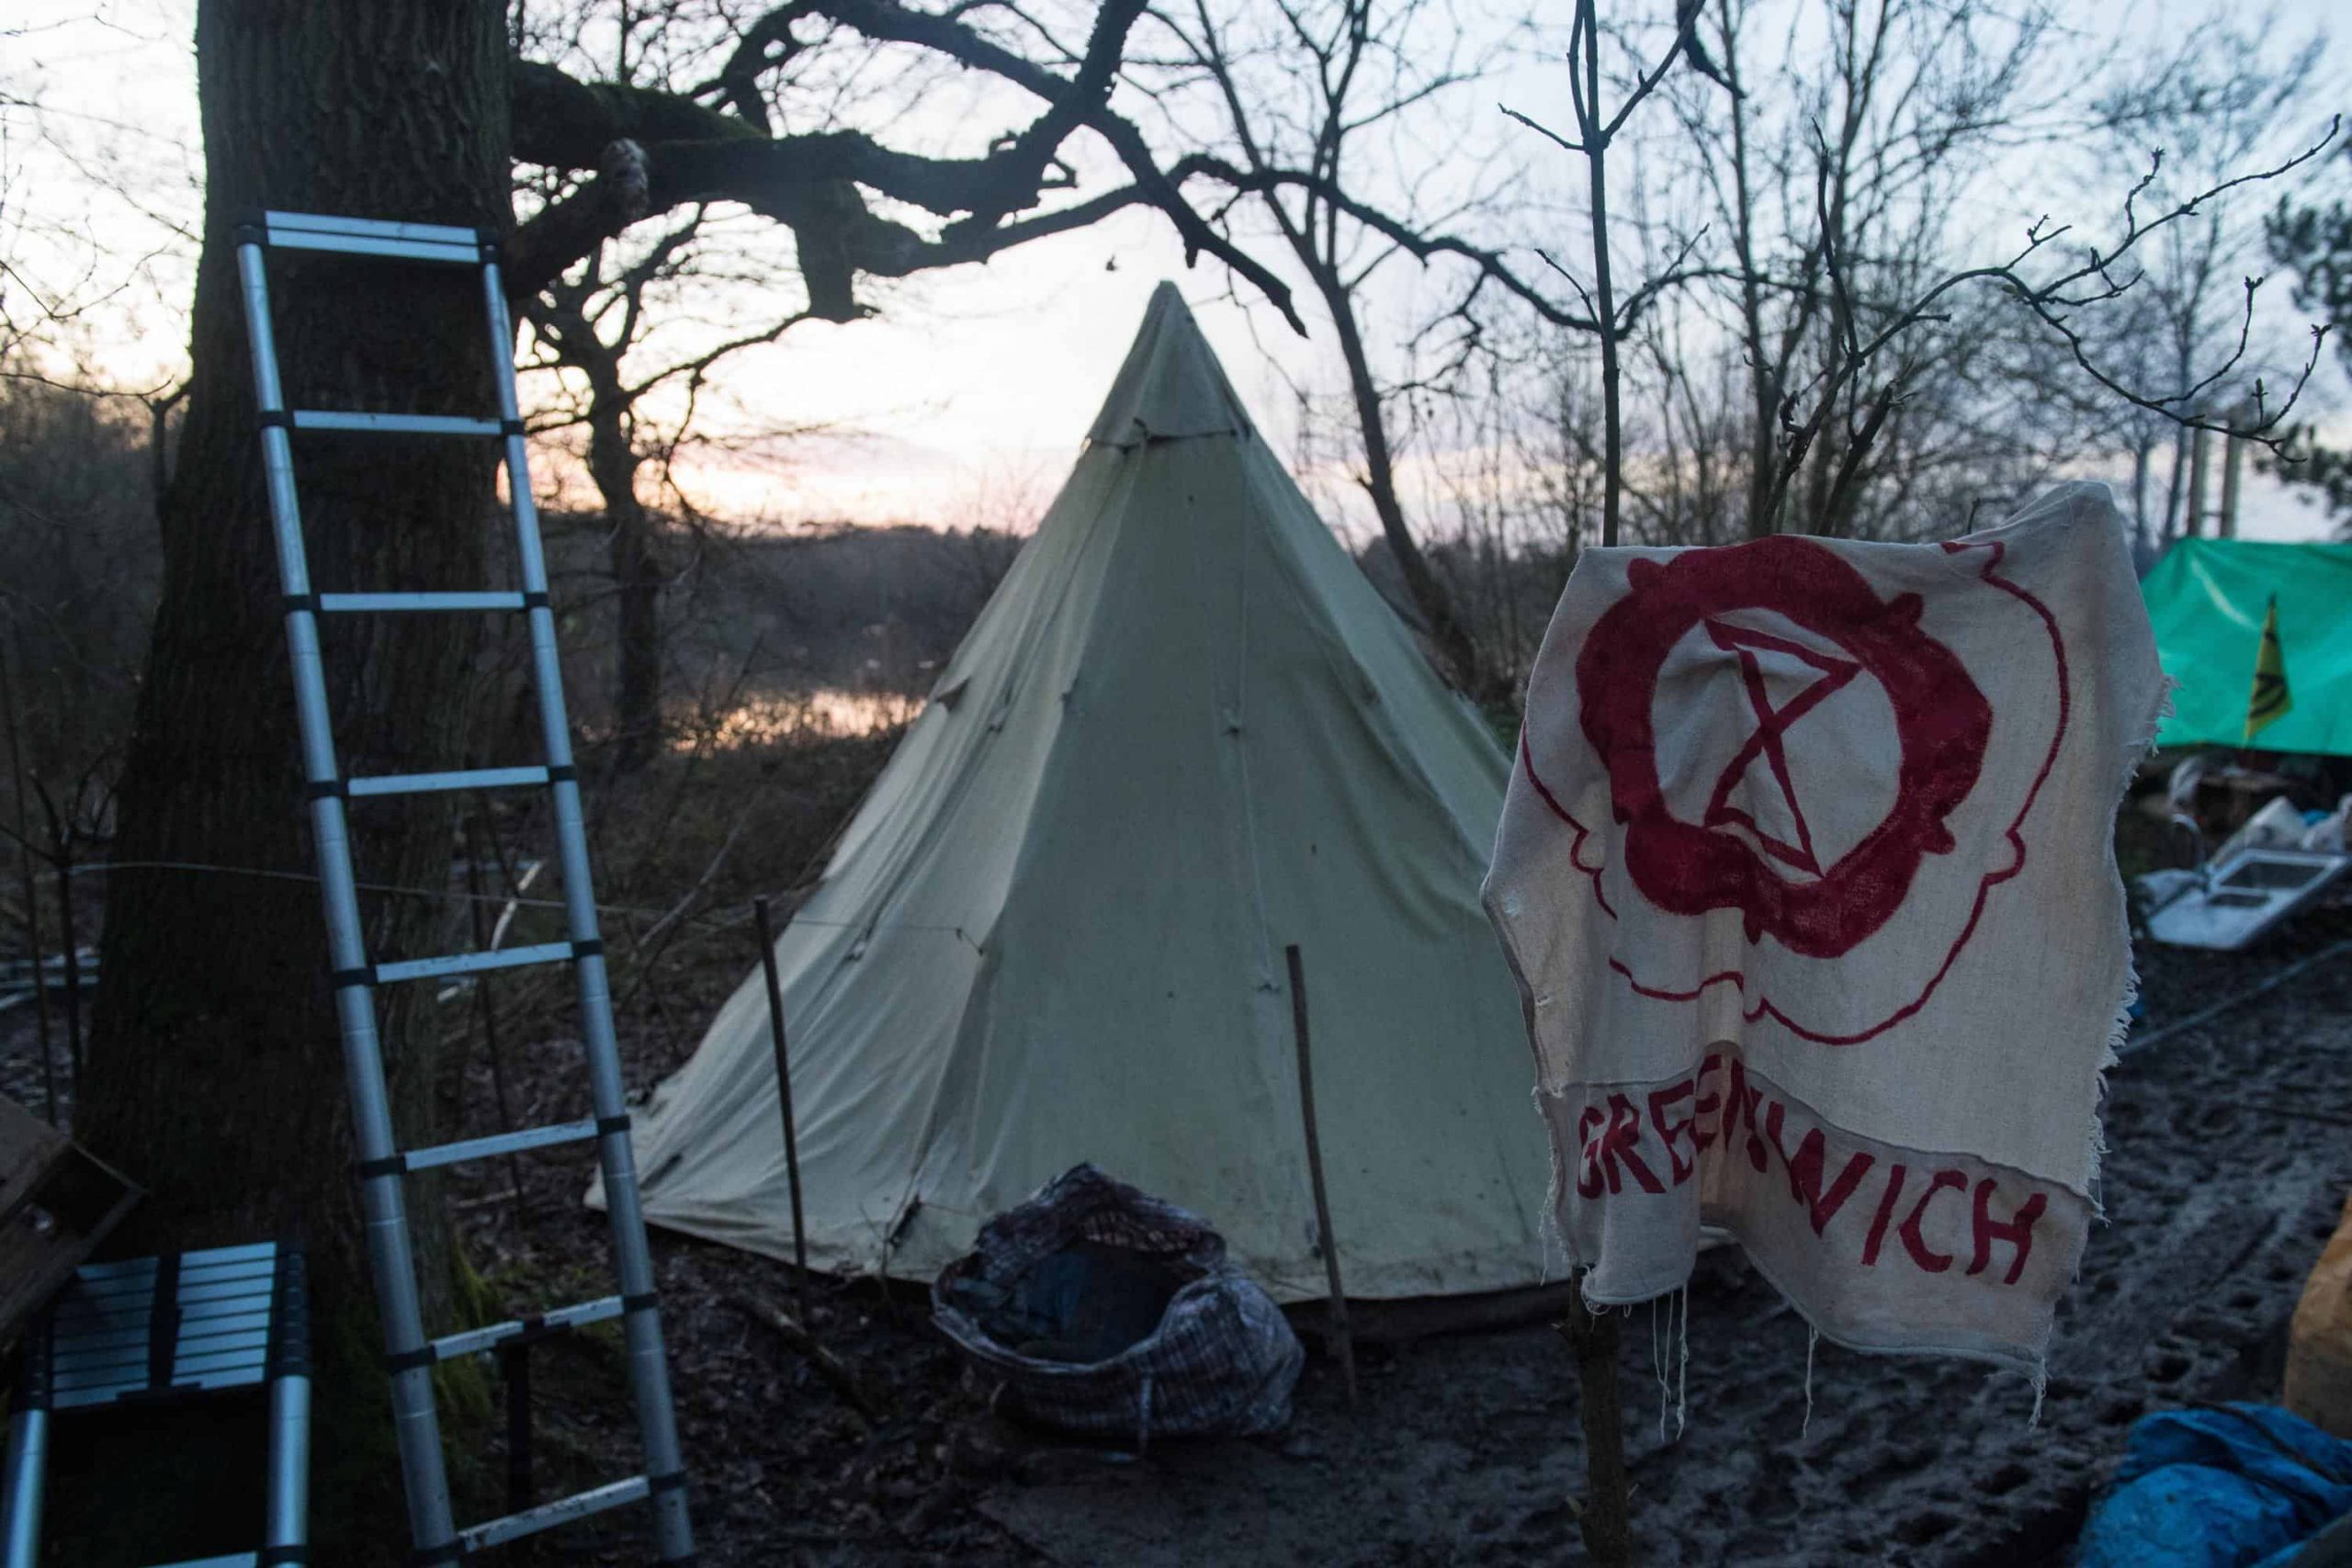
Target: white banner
[(1807, 874)]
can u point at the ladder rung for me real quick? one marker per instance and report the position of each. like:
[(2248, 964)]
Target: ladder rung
[(426, 784), (372, 228), (349, 604), (234, 1560), (368, 237), (474, 1340), (470, 963), (468, 254), (393, 424), (562, 1511), (500, 1144)]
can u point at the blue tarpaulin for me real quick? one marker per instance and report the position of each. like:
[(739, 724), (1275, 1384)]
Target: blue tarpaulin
[(2219, 1486)]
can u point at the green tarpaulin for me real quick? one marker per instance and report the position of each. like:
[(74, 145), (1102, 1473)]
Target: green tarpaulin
[(2207, 598)]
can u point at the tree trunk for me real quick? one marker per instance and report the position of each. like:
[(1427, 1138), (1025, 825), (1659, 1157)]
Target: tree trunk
[(560, 318), (215, 1077), (1763, 381), (1457, 653), (1594, 133), (636, 579), (2142, 446), (2173, 484)]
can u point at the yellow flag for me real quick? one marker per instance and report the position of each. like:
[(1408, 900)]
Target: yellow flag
[(2270, 699)]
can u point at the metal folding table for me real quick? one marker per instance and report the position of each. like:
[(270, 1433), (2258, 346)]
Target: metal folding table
[(162, 1328)]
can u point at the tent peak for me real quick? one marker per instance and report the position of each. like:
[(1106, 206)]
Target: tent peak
[(1170, 385)]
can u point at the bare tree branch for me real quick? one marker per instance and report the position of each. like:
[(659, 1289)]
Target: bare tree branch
[(814, 183)]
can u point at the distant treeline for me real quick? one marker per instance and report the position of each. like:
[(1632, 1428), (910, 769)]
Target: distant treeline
[(747, 613), (866, 608), (882, 607)]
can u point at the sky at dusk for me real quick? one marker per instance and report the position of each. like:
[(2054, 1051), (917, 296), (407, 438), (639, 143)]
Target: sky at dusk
[(963, 403)]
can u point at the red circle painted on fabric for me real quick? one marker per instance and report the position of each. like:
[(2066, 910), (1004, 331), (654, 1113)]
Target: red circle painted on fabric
[(1943, 723)]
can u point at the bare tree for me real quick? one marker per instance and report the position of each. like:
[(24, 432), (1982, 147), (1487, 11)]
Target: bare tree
[(1879, 385), (2317, 240), (1331, 111), (1318, 100), (592, 328), (731, 81), (707, 137), (1506, 505), (2060, 289), (77, 585), (1850, 175), (94, 241), (2221, 97)]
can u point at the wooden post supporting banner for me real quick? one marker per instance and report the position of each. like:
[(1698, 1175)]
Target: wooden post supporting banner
[(1340, 1337), (1605, 1515), (791, 1127)]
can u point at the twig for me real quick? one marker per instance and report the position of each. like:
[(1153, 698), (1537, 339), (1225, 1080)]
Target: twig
[(2052, 303), (648, 947), (831, 1367), (1540, 129)]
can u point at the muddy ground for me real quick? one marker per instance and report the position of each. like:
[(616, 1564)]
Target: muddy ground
[(2229, 1161)]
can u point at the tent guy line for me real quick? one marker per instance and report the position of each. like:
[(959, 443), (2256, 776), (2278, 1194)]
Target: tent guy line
[(723, 923), (2139, 1043), (2206, 1015)]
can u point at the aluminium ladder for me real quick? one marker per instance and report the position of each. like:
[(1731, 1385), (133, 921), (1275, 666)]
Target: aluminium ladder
[(409, 1354)]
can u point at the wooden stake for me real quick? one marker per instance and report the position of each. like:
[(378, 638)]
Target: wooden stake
[(1605, 1515), (784, 1095), (831, 1367), (1340, 1337)]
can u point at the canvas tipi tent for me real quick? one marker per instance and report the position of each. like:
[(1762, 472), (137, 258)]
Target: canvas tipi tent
[(1183, 733)]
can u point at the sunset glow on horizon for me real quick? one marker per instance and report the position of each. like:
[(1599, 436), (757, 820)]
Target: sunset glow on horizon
[(961, 403)]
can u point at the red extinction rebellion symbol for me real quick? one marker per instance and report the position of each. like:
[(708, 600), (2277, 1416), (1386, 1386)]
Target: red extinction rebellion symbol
[(1731, 857)]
